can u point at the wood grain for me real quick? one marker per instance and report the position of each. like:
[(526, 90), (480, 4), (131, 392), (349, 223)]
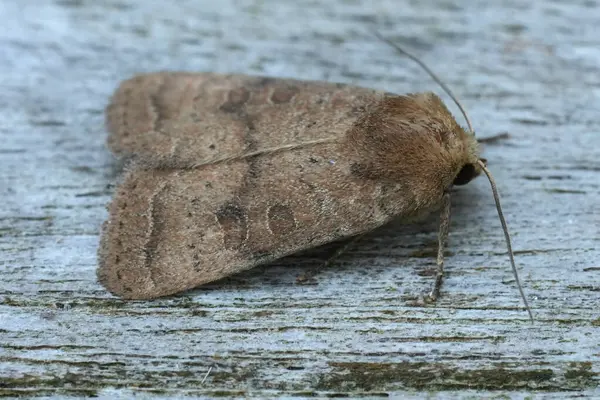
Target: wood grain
[(526, 68)]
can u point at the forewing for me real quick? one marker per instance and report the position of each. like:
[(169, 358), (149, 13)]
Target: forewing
[(180, 118), (172, 230)]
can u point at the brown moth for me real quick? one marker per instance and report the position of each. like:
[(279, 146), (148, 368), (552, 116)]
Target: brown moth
[(233, 171)]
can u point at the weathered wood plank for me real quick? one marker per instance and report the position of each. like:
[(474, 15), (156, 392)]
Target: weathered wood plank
[(527, 68)]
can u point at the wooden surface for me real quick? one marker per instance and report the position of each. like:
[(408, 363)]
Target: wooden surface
[(527, 68)]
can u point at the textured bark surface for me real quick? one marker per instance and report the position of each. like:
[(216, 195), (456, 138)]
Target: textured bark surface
[(526, 68)]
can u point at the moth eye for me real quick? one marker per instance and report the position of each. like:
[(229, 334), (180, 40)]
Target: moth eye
[(466, 175)]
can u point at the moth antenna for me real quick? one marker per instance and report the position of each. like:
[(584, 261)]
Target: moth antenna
[(506, 235), (431, 74)]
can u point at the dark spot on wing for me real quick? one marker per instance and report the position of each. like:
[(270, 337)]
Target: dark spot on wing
[(233, 220), (281, 219), (236, 99)]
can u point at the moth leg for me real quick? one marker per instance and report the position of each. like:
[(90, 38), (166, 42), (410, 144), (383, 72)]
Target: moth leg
[(308, 276), (442, 239)]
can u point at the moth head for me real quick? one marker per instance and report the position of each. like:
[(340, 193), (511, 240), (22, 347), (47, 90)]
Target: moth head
[(467, 158), (459, 144), (468, 172)]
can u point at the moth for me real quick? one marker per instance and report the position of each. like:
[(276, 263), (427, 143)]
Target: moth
[(229, 172)]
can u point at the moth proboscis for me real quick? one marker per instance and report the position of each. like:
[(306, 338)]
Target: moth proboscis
[(229, 172)]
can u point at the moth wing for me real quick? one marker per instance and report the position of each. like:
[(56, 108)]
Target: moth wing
[(172, 230), (180, 118)]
